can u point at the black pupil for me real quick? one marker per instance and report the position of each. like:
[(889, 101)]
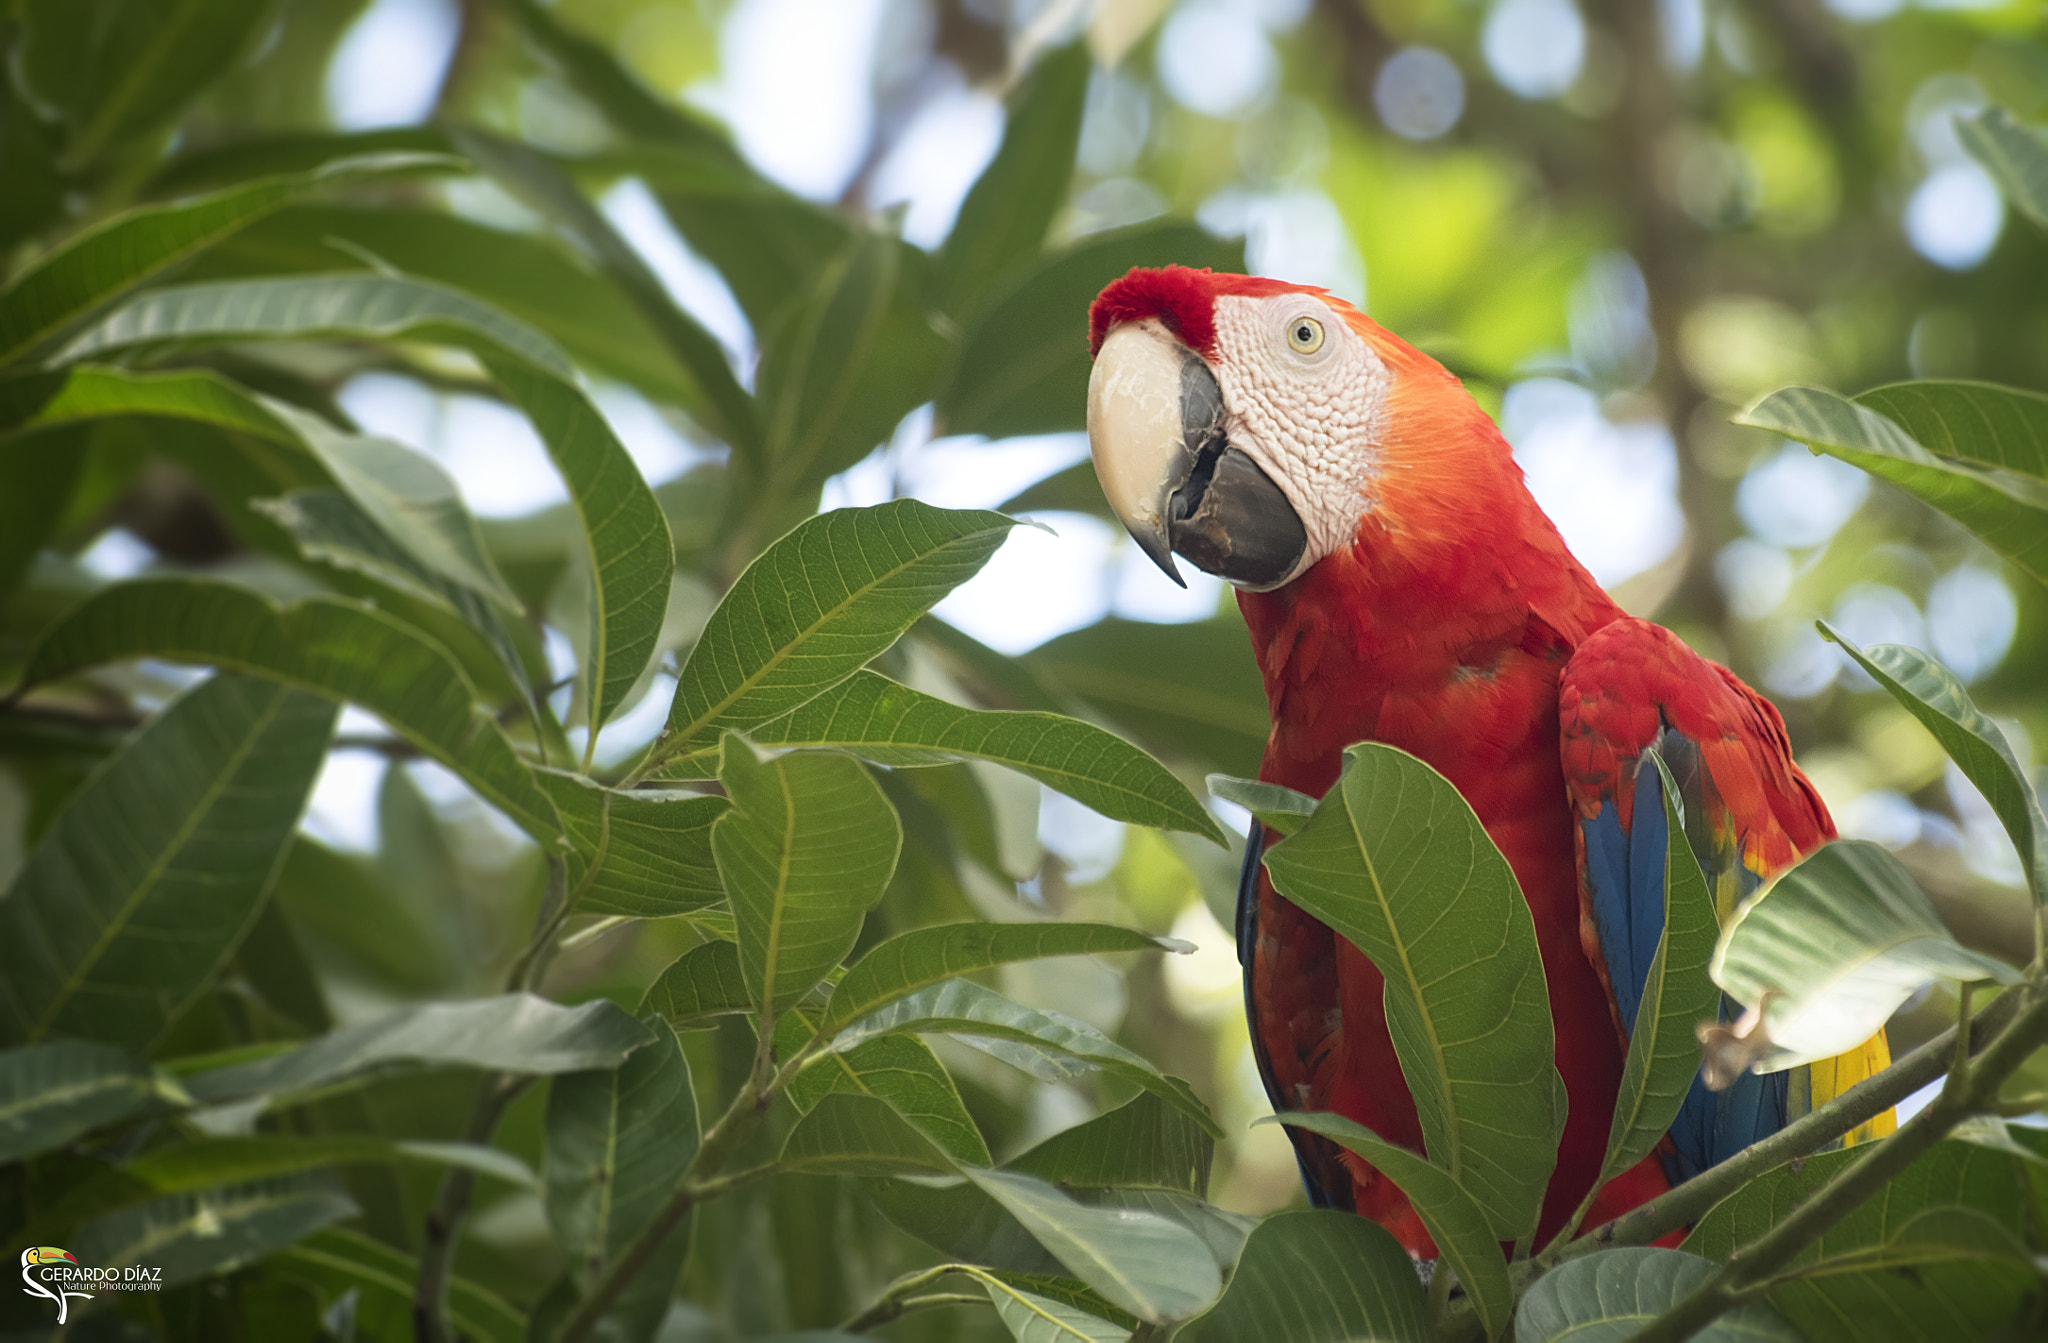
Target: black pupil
[(1303, 334)]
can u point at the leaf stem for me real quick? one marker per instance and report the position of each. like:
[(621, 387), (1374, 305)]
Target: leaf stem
[(895, 1298), (1861, 1103), (1748, 1273)]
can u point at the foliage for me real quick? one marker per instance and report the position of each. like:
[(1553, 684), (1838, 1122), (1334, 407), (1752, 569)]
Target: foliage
[(690, 991)]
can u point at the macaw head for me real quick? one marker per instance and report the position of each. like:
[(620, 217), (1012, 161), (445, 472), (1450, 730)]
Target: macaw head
[(1255, 427)]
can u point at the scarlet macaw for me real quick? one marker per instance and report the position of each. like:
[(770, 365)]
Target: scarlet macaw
[(1401, 585)]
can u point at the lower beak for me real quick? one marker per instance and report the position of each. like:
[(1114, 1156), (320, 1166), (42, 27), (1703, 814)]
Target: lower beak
[(1155, 426)]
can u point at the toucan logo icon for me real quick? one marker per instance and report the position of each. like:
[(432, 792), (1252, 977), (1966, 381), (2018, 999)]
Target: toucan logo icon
[(48, 1283)]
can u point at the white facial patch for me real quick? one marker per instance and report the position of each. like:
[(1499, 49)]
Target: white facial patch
[(1308, 419)]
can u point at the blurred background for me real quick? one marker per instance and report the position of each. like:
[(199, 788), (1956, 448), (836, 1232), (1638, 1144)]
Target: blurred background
[(1620, 221)]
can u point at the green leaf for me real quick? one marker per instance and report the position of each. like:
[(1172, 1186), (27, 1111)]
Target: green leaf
[(1023, 368), (119, 79), (1977, 422), (641, 854), (1932, 694), (902, 1071), (846, 1133), (1280, 809), (962, 1007), (1076, 489), (337, 1262), (1186, 691), (599, 76), (875, 718), (1143, 1144), (199, 1235), (1395, 861), (923, 957), (805, 852), (704, 983), (41, 477), (859, 355), (1607, 1297), (1032, 1318), (1003, 222), (2008, 512), (342, 649), (1318, 1277), (1461, 1227), (1940, 1255), (618, 1142), (515, 1032), (1678, 994), (2015, 155), (112, 940), (1138, 1261), (52, 1093), (1838, 941), (818, 605), (94, 269)]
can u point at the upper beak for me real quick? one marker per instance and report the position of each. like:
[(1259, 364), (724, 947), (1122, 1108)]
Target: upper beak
[(1155, 426)]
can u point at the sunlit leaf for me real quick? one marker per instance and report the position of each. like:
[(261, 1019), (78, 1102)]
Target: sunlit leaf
[(1932, 694), (341, 649), (515, 1032), (2009, 512), (1978, 422), (1457, 1222), (640, 854), (902, 1071), (1318, 1277), (198, 1235), (1609, 1296), (873, 717), (804, 852), (1281, 809), (962, 1007), (2015, 156), (926, 956), (111, 940), (818, 604), (55, 1092), (92, 270), (1940, 1255), (1395, 861), (1832, 947)]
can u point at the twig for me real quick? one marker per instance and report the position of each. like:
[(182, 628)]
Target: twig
[(1858, 1105), (444, 1220), (892, 1303), (1969, 1088)]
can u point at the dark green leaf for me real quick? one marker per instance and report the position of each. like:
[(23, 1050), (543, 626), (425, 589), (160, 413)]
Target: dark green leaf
[(1023, 368), (1462, 1229), (818, 604), (92, 270), (846, 1133), (1609, 1296), (805, 851), (1395, 861), (2015, 155), (341, 649), (962, 1007), (875, 718), (641, 854), (1318, 1277), (1932, 694), (1280, 809), (705, 982), (902, 1071), (338, 1262), (1938, 1256), (1004, 220), (112, 940), (1832, 947), (41, 476), (2009, 512), (1186, 691), (1141, 1262), (925, 956), (52, 1093), (1678, 994), (516, 1032), (198, 1235), (1142, 1144)]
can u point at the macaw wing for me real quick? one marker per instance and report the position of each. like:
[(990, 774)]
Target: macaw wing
[(1748, 813)]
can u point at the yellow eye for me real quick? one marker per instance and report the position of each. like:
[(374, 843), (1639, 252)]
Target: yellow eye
[(1305, 335)]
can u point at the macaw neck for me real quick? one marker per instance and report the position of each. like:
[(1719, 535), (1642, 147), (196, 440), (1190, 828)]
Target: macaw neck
[(1422, 636)]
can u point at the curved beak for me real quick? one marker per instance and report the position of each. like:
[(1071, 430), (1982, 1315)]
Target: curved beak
[(1156, 429)]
